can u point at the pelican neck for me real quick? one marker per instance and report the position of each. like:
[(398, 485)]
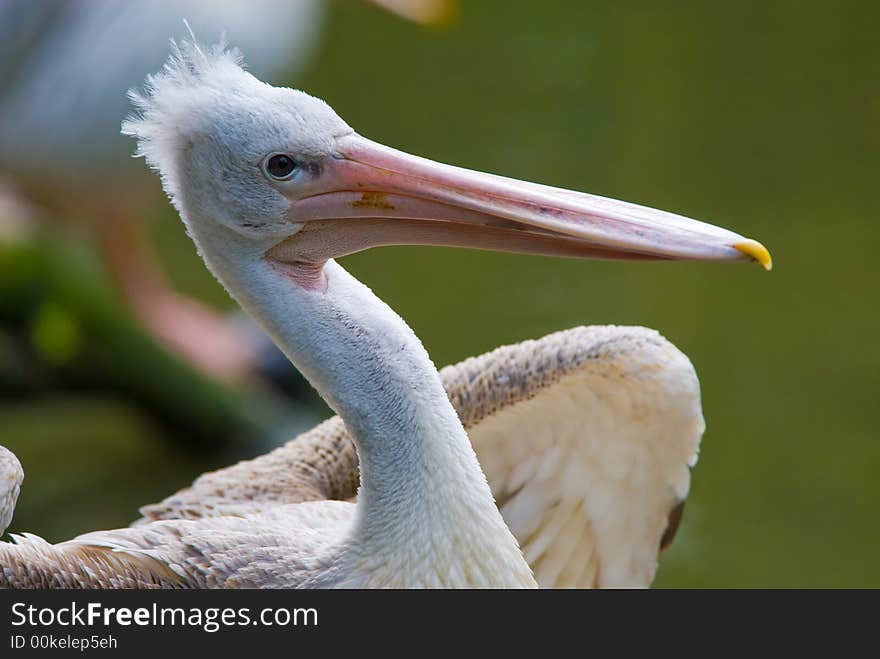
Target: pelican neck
[(419, 473)]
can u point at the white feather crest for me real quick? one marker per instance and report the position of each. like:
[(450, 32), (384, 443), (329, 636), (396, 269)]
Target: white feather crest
[(169, 108), (162, 104)]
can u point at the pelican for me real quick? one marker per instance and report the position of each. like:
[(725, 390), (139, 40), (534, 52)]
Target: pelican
[(580, 443)]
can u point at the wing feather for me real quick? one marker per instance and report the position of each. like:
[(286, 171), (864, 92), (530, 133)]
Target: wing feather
[(590, 461), (282, 547)]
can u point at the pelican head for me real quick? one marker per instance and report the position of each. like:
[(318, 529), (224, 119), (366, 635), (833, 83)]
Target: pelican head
[(280, 169)]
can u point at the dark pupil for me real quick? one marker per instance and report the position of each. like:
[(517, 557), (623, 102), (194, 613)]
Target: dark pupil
[(280, 166)]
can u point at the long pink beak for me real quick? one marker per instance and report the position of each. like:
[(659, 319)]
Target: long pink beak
[(369, 195)]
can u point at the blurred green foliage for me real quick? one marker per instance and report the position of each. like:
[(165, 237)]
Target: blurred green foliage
[(760, 116), (70, 330)]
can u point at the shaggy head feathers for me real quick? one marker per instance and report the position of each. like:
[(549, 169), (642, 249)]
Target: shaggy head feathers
[(205, 124)]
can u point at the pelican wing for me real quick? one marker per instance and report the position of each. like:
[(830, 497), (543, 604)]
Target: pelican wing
[(267, 544), (282, 547), (586, 437), (31, 562), (319, 464)]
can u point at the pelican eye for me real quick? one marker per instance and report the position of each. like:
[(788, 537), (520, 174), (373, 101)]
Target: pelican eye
[(280, 166)]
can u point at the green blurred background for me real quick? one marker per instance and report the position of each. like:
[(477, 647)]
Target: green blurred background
[(763, 117)]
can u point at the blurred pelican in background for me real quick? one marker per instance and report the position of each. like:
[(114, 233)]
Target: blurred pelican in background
[(65, 68)]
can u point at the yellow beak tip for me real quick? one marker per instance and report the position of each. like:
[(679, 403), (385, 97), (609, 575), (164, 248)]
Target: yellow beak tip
[(756, 251)]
